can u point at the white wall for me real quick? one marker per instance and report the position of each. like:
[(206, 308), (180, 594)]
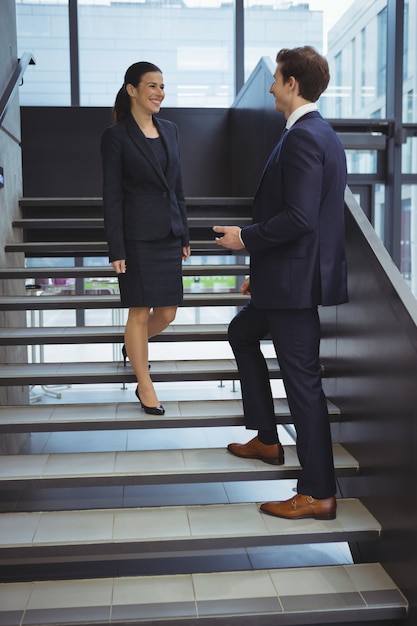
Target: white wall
[(10, 161)]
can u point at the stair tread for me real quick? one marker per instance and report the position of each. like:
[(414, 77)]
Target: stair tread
[(181, 414), (41, 335), (50, 245), (66, 248), (106, 271), (63, 201), (111, 371), (93, 334), (98, 222), (60, 222), (271, 596), (36, 302), (152, 466), (166, 528)]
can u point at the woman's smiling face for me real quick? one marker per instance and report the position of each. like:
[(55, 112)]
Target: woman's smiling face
[(149, 93)]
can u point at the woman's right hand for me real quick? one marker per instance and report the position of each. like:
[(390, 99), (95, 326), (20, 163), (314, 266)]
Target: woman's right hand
[(119, 266), (245, 287)]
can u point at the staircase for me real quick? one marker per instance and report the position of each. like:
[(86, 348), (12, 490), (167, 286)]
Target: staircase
[(109, 515)]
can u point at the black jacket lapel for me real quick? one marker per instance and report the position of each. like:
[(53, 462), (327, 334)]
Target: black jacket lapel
[(142, 144)]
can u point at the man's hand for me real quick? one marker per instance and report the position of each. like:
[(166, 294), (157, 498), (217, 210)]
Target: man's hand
[(231, 237), (119, 266)]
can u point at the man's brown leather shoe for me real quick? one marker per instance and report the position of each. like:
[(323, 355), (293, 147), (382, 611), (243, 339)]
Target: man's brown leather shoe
[(255, 449), (301, 506)]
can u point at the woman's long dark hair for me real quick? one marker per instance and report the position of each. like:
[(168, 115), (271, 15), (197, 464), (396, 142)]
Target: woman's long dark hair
[(133, 77)]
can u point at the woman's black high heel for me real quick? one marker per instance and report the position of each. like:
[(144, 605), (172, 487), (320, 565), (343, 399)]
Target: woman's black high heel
[(150, 410), (124, 354)]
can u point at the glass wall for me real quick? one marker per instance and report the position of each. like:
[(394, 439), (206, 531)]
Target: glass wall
[(410, 55), (193, 41), (266, 31), (192, 46), (43, 30), (409, 235), (357, 53)]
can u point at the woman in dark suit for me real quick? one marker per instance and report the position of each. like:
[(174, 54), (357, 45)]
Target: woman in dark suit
[(145, 216)]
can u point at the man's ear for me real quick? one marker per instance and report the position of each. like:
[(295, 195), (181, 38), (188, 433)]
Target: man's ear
[(292, 82)]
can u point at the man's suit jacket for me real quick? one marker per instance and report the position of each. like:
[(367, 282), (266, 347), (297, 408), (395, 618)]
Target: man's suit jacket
[(140, 201), (297, 240)]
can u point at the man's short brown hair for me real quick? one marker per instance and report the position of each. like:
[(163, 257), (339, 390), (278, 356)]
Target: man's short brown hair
[(308, 67)]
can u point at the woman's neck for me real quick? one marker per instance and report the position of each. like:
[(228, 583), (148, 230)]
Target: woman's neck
[(145, 123)]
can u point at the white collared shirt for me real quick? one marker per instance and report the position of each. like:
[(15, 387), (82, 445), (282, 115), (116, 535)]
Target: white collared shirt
[(302, 110)]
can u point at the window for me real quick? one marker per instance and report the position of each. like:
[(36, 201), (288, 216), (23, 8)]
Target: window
[(43, 30), (382, 53)]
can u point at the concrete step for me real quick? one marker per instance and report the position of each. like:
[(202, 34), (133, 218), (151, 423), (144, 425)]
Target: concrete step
[(272, 597), (151, 467), (128, 415), (122, 533)]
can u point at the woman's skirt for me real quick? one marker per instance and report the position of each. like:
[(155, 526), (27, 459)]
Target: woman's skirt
[(153, 274)]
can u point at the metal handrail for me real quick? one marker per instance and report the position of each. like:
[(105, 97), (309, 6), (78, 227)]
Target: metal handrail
[(22, 63)]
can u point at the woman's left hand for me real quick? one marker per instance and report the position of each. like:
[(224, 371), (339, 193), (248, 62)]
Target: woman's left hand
[(186, 251)]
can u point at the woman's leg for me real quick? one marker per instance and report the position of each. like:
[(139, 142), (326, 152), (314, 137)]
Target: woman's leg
[(159, 318), (141, 324), (136, 341)]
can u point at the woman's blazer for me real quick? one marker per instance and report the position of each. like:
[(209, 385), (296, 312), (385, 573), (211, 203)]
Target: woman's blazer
[(297, 239), (140, 201)]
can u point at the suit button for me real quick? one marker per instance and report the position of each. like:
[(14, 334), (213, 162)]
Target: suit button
[(165, 195)]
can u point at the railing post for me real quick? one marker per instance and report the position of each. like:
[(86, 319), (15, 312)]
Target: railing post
[(394, 104)]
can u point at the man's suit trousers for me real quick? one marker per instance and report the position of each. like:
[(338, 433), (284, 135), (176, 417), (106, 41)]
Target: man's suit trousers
[(296, 337)]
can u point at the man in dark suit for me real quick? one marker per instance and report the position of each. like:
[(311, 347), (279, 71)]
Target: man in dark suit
[(297, 262)]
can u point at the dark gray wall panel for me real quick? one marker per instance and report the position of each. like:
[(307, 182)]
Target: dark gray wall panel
[(255, 129), (61, 150), (375, 385)]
